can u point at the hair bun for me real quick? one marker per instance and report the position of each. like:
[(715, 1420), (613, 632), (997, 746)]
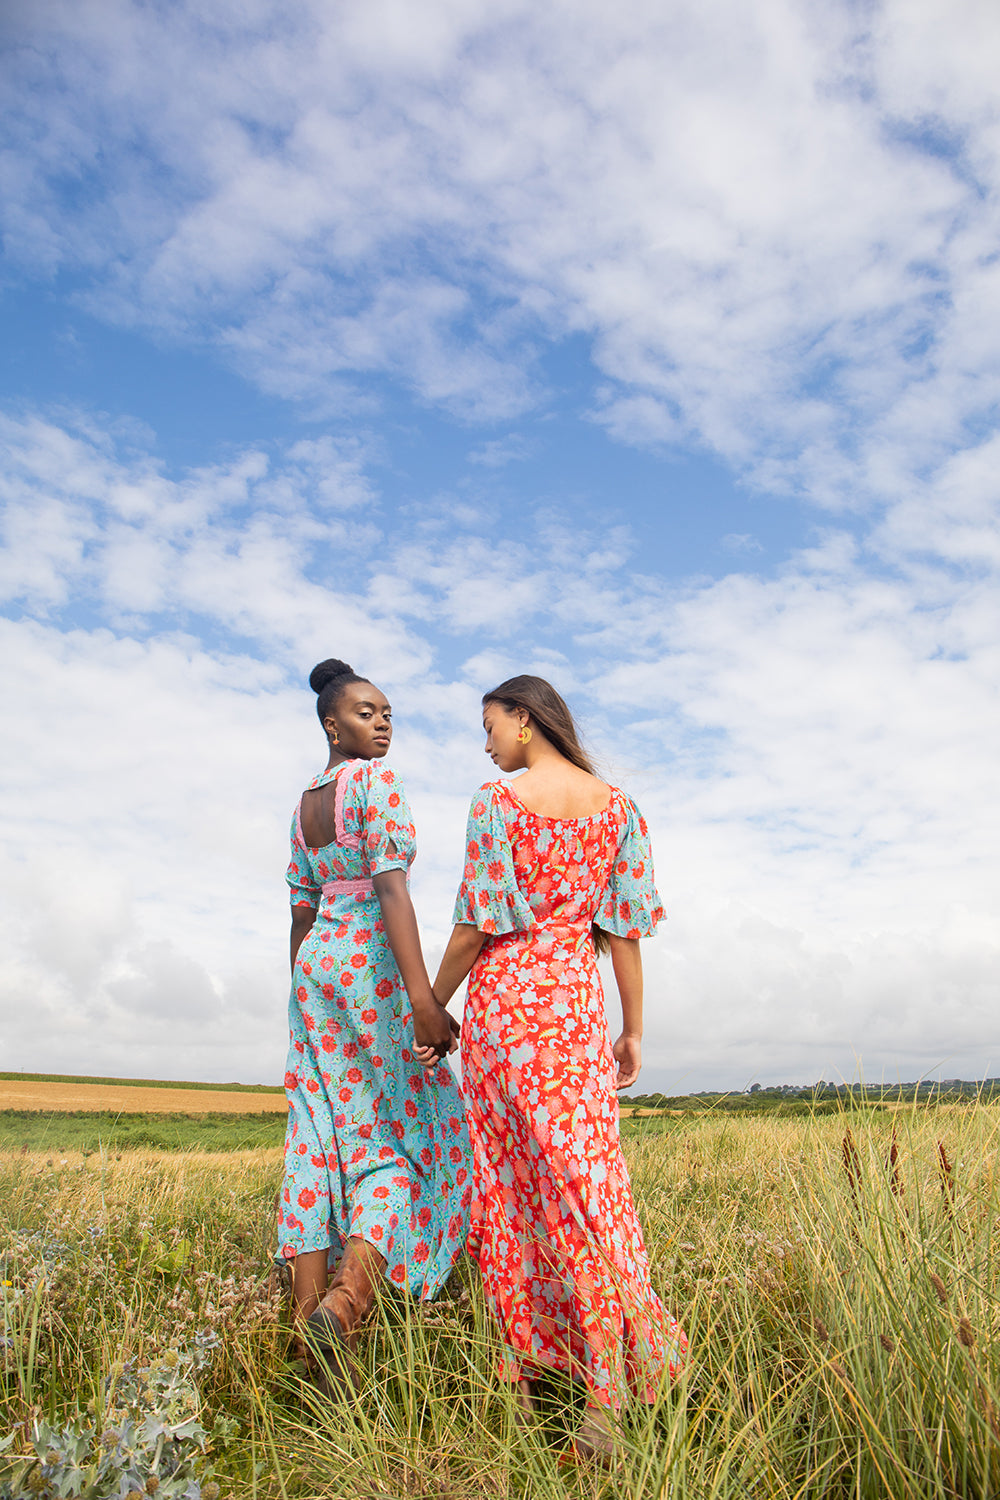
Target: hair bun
[(325, 672)]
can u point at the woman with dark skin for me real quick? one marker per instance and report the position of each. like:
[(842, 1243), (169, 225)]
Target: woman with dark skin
[(365, 1176), (558, 866)]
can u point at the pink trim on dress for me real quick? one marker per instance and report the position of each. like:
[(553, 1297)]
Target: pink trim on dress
[(349, 840), (298, 824), (362, 887)]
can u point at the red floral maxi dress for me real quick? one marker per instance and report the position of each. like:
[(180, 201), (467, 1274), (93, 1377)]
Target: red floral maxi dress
[(375, 1146), (564, 1267)]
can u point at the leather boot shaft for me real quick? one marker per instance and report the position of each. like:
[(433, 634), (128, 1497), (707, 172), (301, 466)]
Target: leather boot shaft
[(351, 1293)]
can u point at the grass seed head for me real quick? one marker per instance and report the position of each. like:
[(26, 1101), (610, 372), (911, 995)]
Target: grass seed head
[(966, 1333), (940, 1288)]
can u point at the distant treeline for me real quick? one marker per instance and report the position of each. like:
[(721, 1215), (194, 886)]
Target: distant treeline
[(823, 1098)]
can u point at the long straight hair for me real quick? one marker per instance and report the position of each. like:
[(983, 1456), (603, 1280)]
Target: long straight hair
[(551, 713)]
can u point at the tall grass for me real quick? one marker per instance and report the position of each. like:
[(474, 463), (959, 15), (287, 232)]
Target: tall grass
[(839, 1292)]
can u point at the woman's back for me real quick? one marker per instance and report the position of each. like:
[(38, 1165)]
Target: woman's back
[(557, 789), (563, 861), (564, 1267)]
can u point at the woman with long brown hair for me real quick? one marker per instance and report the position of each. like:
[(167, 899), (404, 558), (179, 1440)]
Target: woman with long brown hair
[(555, 870)]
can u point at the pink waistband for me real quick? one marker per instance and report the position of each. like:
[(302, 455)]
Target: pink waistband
[(348, 888)]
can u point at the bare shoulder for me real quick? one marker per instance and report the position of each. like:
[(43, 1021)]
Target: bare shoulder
[(562, 791)]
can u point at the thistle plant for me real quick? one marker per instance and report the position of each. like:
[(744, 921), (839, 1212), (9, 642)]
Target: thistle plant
[(147, 1439)]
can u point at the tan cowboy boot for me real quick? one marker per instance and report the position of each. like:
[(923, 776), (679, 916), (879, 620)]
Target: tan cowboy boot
[(331, 1332)]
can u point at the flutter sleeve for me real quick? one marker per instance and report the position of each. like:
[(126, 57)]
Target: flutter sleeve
[(630, 903), (301, 881), (489, 897), (388, 838)]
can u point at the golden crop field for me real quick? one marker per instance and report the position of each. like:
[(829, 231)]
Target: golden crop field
[(50, 1097)]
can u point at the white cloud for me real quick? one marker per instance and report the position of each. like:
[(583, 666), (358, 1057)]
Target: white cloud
[(741, 541), (814, 751), (498, 452), (775, 227), (748, 210)]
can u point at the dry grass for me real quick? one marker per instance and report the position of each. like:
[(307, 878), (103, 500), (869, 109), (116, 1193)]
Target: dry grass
[(843, 1325), (95, 1098)]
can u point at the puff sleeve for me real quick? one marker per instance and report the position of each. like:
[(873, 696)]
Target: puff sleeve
[(387, 838), (630, 904), (299, 876), (489, 897)]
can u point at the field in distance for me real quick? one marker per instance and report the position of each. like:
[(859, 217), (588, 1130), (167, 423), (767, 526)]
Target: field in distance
[(50, 1093), (45, 1112)]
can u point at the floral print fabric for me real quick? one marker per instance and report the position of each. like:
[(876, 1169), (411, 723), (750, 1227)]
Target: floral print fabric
[(375, 1146), (560, 1248)]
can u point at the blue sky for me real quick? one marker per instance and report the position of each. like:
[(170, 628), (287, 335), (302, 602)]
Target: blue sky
[(654, 351)]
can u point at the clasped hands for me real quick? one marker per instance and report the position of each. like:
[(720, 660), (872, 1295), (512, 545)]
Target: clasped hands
[(435, 1031)]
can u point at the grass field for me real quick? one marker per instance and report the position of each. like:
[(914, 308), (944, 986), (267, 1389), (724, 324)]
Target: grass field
[(57, 1115), (839, 1286), (65, 1094), (90, 1131), (144, 1083)]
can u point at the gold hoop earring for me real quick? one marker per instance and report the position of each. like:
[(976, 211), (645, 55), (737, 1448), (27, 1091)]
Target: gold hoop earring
[(523, 735)]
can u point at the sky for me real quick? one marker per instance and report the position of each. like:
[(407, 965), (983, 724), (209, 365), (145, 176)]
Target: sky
[(652, 348)]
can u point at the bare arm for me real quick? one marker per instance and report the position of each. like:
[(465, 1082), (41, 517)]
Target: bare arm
[(464, 947), (432, 1026), (303, 918), (626, 960)]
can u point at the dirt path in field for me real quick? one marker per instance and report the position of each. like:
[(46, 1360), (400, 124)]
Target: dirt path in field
[(128, 1100)]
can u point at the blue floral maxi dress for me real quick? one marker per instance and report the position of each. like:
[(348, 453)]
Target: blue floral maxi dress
[(564, 1267), (375, 1146)]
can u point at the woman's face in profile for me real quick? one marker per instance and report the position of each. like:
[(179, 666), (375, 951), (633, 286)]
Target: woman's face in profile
[(501, 726)]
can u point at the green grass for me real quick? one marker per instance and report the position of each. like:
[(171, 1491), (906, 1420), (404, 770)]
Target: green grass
[(842, 1309), (57, 1133)]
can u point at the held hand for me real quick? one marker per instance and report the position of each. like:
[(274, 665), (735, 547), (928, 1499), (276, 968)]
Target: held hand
[(429, 1057), (434, 1032), (628, 1055)]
